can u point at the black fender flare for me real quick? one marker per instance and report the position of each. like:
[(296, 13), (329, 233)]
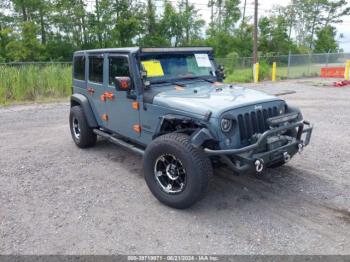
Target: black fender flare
[(294, 109), (200, 136), (164, 118), (85, 104)]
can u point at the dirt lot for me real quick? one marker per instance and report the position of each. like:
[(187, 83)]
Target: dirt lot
[(57, 199)]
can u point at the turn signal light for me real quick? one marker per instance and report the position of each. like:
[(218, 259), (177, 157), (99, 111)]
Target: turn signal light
[(104, 117), (135, 105), (124, 84), (137, 128)]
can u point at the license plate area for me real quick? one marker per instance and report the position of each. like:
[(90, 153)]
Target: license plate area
[(275, 142)]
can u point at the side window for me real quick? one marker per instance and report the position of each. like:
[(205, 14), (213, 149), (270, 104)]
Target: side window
[(79, 67), (96, 69), (118, 66)]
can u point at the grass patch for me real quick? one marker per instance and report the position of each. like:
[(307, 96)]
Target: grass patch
[(240, 76), (34, 82)]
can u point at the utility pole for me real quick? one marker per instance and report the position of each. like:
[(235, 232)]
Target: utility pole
[(243, 17), (220, 12), (255, 36), (187, 12), (211, 4), (98, 18)]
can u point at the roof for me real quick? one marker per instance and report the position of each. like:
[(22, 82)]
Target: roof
[(111, 50), (146, 50), (176, 49)]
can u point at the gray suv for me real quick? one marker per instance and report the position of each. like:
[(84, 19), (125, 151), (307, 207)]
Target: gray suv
[(171, 106)]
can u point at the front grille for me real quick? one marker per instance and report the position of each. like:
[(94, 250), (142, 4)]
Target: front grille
[(254, 122)]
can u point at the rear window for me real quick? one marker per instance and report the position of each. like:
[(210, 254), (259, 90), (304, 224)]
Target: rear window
[(79, 67), (96, 69)]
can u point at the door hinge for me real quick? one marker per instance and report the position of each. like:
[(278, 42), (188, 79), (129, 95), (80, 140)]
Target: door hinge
[(107, 95), (90, 90)]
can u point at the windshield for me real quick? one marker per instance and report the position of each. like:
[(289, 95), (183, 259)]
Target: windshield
[(177, 66)]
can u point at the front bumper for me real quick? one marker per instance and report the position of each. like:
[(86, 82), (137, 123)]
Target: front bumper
[(256, 157)]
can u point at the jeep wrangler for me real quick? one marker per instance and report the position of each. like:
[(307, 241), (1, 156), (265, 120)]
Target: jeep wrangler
[(171, 106)]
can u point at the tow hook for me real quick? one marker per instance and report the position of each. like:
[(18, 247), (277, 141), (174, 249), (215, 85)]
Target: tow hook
[(259, 165), (300, 148), (286, 157)]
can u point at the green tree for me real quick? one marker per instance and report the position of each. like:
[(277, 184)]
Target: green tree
[(128, 22), (70, 20), (274, 37), (152, 28), (28, 48), (309, 16), (191, 23), (222, 34), (326, 41), (170, 25)]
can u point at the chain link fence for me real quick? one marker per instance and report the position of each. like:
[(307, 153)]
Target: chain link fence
[(239, 69), (288, 66)]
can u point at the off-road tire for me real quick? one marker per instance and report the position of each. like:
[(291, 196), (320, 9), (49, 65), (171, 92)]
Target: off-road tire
[(87, 137), (197, 165)]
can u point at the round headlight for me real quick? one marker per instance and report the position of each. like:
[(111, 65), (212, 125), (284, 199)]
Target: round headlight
[(226, 125), (281, 110)]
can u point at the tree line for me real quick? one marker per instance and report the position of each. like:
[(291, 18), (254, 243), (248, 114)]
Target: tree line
[(51, 30)]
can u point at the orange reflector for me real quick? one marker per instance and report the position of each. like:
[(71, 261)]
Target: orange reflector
[(135, 105), (179, 88), (218, 84), (137, 128), (104, 117)]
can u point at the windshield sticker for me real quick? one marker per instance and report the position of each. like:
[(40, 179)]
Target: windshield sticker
[(203, 60), (154, 68)]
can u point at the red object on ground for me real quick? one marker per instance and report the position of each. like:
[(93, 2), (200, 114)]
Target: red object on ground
[(341, 83), (332, 71)]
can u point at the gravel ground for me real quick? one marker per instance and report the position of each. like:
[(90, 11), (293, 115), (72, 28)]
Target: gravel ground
[(58, 199)]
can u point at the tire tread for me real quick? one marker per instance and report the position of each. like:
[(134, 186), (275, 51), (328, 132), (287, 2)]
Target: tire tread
[(200, 161), (87, 136)]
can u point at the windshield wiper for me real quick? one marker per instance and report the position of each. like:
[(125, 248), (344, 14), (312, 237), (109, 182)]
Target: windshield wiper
[(200, 78), (175, 82), (169, 82)]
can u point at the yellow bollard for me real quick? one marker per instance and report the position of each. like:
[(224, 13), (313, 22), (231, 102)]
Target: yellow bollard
[(256, 73), (347, 69), (274, 71)]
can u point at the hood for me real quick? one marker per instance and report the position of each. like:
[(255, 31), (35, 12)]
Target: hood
[(199, 98)]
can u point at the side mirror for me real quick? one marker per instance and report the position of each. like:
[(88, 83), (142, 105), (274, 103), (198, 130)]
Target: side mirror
[(122, 83), (143, 74), (220, 73)]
